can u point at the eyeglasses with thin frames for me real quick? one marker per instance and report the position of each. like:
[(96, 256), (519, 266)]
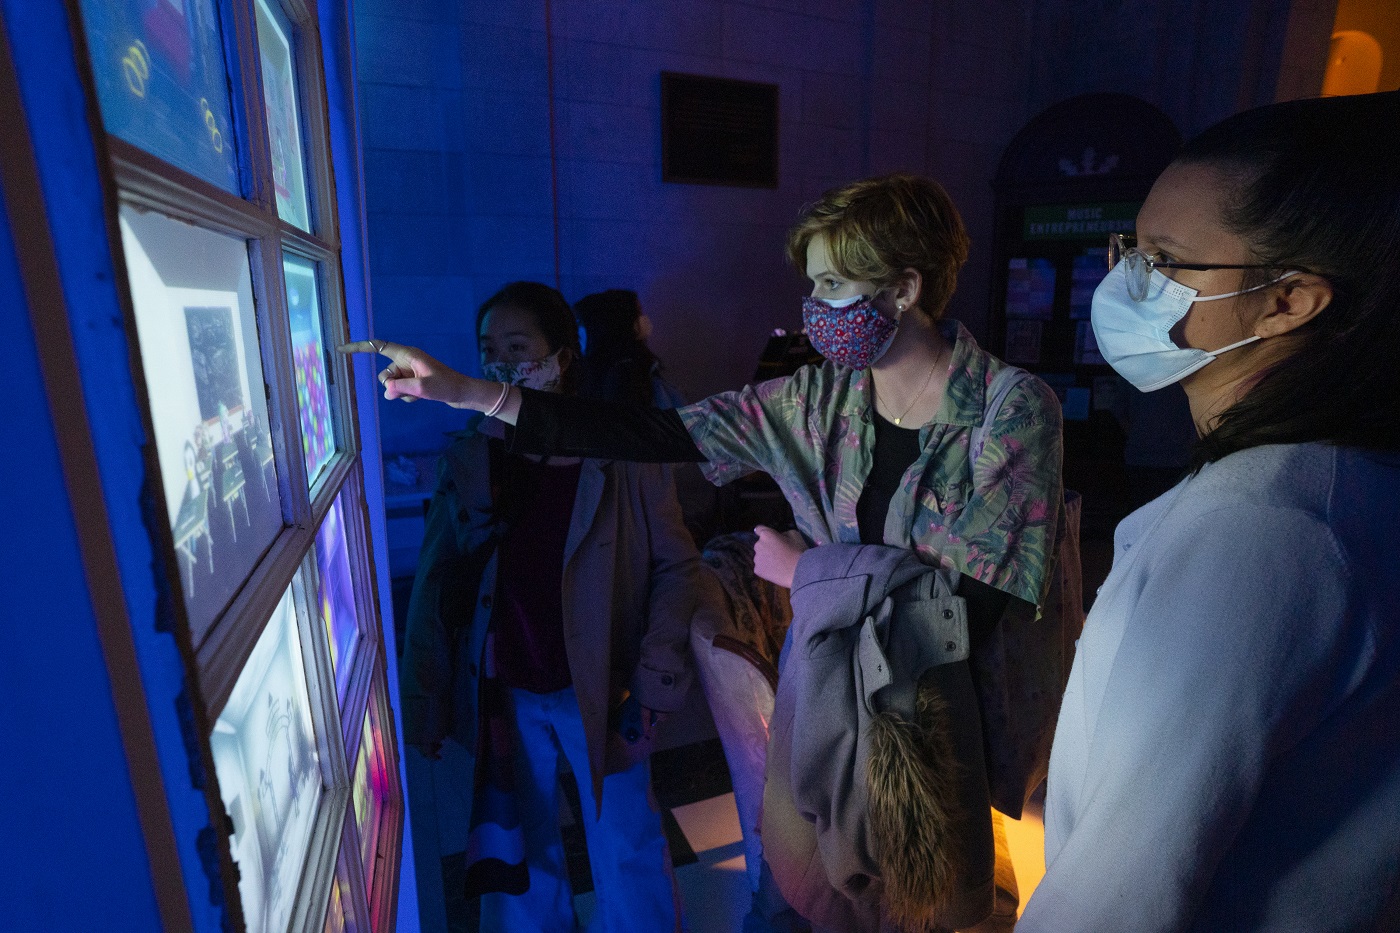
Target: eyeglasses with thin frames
[(1122, 247)]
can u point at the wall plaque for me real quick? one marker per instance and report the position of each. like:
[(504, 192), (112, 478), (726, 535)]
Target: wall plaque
[(718, 131)]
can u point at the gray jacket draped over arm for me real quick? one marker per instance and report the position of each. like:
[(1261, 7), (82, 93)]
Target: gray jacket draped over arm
[(876, 800)]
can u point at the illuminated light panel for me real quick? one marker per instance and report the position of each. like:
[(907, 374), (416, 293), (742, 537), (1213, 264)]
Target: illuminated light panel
[(283, 126), (337, 593), (162, 82), (191, 290), (371, 789), (264, 749), (309, 365), (340, 912)]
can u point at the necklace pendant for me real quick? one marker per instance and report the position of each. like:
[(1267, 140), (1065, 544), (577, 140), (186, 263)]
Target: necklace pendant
[(896, 422)]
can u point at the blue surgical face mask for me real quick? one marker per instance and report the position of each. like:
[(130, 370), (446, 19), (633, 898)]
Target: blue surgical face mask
[(1134, 337)]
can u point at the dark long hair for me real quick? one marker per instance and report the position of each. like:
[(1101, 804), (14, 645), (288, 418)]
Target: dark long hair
[(618, 364), (513, 488), (552, 315), (1315, 185)]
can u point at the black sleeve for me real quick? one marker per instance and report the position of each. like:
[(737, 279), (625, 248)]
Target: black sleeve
[(985, 606), (569, 426)]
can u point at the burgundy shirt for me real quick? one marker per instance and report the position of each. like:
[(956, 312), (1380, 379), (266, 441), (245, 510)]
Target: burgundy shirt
[(528, 616)]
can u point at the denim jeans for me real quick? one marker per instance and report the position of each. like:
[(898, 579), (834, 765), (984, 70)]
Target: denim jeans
[(627, 851)]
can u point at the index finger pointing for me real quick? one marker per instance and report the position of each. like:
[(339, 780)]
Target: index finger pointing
[(394, 351)]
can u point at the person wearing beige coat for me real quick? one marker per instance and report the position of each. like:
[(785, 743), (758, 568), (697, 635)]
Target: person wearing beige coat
[(480, 631)]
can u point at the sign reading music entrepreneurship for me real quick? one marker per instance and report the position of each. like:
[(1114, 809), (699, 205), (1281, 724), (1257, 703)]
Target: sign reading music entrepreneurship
[(1079, 221)]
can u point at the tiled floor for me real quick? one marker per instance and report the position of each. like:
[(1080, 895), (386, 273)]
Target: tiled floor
[(715, 888)]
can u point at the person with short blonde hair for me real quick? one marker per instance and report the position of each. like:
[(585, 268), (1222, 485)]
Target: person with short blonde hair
[(878, 227)]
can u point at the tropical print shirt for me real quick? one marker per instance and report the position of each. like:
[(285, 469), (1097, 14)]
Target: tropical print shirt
[(814, 433)]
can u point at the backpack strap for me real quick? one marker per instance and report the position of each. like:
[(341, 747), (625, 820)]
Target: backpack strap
[(997, 390)]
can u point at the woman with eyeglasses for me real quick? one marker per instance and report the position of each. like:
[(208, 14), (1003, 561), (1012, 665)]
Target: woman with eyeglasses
[(1227, 755), (875, 447)]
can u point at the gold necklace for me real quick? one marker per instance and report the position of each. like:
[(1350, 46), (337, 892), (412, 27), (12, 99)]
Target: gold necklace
[(927, 381)]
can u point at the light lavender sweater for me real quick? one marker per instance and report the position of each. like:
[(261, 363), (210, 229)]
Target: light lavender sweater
[(1228, 753)]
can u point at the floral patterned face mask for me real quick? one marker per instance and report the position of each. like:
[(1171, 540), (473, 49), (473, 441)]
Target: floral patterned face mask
[(850, 331), (544, 374)]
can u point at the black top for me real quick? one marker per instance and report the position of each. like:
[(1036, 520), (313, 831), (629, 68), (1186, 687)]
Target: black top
[(896, 449), (528, 616)]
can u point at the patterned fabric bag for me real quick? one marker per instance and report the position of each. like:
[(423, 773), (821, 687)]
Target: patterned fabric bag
[(1021, 669)]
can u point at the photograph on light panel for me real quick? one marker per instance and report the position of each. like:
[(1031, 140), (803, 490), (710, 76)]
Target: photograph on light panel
[(192, 295), (162, 81), (283, 130), (309, 363), (264, 749), (337, 592)]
